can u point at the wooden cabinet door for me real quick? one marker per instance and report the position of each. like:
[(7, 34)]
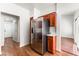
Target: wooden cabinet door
[(53, 19), (52, 44)]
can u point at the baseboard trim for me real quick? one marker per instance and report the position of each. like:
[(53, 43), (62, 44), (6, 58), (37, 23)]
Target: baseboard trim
[(26, 45), (67, 37), (70, 53)]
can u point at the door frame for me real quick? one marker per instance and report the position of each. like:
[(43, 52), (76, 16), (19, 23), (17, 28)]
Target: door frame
[(18, 25), (75, 35)]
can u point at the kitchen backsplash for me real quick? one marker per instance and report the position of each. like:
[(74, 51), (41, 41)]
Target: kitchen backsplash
[(52, 30)]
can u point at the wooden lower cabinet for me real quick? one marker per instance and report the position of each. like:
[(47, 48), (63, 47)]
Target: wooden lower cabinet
[(52, 44)]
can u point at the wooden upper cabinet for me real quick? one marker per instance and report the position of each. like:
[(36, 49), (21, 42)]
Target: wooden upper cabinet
[(53, 19), (46, 17)]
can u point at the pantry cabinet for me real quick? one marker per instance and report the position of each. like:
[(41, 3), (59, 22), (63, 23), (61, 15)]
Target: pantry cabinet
[(52, 44)]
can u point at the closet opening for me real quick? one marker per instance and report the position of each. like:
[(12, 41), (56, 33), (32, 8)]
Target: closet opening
[(11, 30)]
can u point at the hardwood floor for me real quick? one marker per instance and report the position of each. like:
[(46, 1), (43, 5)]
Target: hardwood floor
[(11, 48), (68, 45)]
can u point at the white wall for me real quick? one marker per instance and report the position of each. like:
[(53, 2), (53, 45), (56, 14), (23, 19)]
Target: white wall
[(41, 9), (24, 21), (15, 32), (8, 29), (67, 24), (37, 13), (58, 44), (29, 6)]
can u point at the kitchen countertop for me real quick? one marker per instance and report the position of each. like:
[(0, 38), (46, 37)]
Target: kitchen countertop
[(51, 34)]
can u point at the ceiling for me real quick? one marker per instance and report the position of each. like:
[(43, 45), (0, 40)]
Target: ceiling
[(67, 8), (25, 5), (36, 5)]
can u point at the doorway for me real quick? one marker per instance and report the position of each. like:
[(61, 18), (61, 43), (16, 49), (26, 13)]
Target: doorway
[(67, 34), (11, 28)]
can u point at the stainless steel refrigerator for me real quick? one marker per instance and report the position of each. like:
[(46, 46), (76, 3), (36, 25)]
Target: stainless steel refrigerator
[(39, 29)]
